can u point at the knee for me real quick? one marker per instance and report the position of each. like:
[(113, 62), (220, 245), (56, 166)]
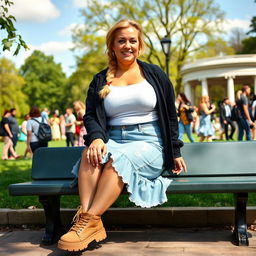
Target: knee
[(84, 159), (84, 164)]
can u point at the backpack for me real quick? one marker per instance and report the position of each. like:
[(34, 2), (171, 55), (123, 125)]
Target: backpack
[(44, 131), (235, 114)]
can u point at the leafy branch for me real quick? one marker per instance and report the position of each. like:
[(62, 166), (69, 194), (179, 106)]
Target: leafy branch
[(6, 23)]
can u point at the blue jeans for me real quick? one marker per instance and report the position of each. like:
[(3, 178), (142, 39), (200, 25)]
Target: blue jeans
[(244, 126), (185, 129)]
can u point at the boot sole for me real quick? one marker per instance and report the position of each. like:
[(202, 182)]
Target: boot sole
[(79, 246)]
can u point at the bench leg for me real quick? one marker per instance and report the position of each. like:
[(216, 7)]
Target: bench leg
[(53, 230), (240, 232)]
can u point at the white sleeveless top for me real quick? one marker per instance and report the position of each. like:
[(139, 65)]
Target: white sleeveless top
[(131, 104)]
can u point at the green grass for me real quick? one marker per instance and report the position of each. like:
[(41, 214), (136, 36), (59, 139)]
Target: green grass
[(20, 171)]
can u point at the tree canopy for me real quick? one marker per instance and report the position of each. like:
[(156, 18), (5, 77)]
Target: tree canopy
[(11, 85), (249, 43), (45, 82), (187, 22)]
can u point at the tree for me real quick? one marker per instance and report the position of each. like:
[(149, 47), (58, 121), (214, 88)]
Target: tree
[(45, 82), (88, 65), (252, 26), (186, 22), (6, 24), (11, 84), (236, 38), (249, 44), (214, 47)]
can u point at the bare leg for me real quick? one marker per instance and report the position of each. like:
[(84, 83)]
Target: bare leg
[(88, 178), (8, 145), (202, 138), (109, 188), (209, 138)]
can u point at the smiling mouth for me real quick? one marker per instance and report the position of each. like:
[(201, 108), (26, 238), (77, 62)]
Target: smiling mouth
[(127, 53)]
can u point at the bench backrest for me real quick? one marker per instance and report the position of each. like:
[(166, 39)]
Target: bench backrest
[(220, 158), (55, 163), (202, 159)]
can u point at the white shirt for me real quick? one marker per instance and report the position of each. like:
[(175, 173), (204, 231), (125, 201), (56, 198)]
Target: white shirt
[(70, 119), (33, 126), (131, 104), (228, 112)]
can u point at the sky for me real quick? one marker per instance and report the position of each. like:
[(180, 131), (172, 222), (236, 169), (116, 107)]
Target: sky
[(46, 25)]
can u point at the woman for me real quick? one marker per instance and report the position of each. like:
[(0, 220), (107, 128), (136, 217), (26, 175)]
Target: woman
[(23, 133), (206, 129), (33, 142), (55, 125), (7, 137), (185, 111), (80, 129), (254, 117), (63, 127), (130, 138)]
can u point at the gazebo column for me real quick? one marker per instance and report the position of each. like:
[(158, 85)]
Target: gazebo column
[(254, 85), (204, 87), (187, 90), (231, 88)]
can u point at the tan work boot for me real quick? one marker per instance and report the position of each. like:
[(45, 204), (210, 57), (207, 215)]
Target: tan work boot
[(86, 228)]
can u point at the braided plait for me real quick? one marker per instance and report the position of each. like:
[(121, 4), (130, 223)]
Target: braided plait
[(112, 65)]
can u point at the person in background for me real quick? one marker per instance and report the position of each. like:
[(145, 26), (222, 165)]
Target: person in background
[(79, 107), (70, 124), (206, 129), (62, 127), (244, 122), (254, 117), (33, 142), (45, 114), (14, 128), (7, 137), (185, 110), (55, 125), (23, 133), (225, 117)]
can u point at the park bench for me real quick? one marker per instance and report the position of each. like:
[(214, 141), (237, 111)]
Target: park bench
[(217, 167)]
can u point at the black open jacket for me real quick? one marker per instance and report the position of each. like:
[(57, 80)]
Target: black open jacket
[(95, 119)]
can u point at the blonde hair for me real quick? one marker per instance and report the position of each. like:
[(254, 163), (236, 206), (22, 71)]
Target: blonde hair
[(203, 99), (112, 61), (81, 107)]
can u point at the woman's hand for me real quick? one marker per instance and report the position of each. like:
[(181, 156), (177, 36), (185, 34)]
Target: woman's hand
[(179, 166), (96, 151)]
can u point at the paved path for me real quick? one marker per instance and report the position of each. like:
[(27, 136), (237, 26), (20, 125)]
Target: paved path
[(139, 242)]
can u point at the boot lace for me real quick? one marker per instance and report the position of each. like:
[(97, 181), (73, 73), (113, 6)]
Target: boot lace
[(80, 221)]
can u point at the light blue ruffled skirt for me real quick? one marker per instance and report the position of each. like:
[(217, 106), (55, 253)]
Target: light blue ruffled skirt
[(137, 154), (205, 127)]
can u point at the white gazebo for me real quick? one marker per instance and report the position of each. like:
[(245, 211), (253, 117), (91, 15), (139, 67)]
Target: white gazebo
[(225, 71)]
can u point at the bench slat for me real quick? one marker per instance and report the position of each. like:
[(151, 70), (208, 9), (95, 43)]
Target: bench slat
[(179, 185)]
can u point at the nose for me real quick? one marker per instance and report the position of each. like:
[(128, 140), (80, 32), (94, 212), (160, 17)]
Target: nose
[(127, 44)]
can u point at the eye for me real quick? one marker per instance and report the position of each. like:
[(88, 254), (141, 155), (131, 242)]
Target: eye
[(121, 41), (133, 41)]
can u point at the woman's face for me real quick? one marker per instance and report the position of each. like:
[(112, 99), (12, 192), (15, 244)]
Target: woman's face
[(126, 45)]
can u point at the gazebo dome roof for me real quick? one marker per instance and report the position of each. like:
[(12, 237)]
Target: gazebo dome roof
[(220, 62)]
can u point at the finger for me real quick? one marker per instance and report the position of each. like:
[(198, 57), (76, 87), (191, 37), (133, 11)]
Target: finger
[(176, 171), (95, 157), (99, 155), (104, 150), (184, 166), (88, 155), (178, 164)]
